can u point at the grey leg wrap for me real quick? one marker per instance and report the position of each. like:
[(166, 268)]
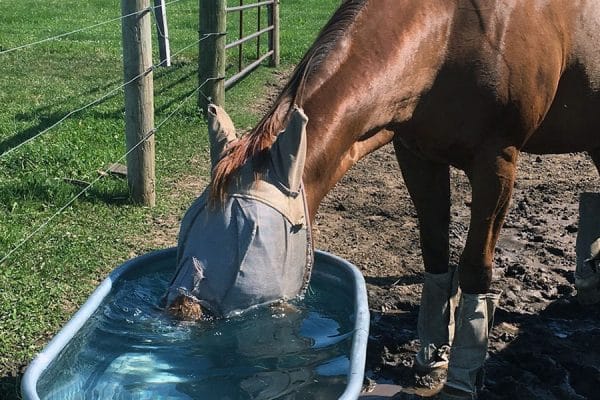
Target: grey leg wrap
[(587, 272), (435, 325), (474, 320)]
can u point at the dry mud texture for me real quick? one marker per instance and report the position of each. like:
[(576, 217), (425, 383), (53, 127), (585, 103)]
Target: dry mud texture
[(544, 344)]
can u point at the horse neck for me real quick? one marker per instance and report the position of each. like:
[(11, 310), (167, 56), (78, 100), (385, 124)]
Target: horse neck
[(369, 80)]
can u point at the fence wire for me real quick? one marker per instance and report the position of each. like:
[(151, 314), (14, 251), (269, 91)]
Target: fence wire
[(62, 35), (105, 96), (105, 172), (152, 132)]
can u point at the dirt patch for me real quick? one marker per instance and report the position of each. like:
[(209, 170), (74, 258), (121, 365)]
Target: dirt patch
[(544, 344)]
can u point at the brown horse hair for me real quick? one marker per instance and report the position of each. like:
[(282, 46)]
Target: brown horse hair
[(253, 145)]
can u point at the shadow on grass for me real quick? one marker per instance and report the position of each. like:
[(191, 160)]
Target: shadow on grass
[(58, 195), (47, 122), (174, 101), (116, 197), (49, 118)]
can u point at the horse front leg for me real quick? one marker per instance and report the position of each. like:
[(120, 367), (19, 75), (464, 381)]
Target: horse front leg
[(492, 175), (429, 186)]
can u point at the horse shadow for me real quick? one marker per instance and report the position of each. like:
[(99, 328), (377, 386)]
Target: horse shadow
[(553, 354)]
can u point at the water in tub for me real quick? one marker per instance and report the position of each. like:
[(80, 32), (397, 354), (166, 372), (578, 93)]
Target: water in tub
[(130, 349)]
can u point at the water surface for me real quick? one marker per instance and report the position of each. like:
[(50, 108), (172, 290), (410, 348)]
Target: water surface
[(129, 349)]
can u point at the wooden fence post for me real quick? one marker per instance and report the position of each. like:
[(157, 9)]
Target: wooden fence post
[(211, 60), (274, 34), (164, 48), (139, 100)]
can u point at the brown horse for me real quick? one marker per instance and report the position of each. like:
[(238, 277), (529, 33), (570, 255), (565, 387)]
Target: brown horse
[(463, 83)]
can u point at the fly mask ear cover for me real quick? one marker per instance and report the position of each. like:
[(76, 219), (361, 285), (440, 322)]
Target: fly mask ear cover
[(221, 133), (253, 248), (288, 154)]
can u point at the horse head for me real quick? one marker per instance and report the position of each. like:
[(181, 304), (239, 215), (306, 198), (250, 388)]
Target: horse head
[(253, 246)]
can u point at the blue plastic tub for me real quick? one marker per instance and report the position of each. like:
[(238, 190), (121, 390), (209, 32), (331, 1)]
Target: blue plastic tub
[(330, 271)]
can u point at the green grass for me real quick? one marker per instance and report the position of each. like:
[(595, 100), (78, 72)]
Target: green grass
[(47, 279)]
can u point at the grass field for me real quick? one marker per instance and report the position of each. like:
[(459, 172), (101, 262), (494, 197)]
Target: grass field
[(45, 281)]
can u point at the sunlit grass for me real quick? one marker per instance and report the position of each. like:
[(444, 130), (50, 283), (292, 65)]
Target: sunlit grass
[(46, 280)]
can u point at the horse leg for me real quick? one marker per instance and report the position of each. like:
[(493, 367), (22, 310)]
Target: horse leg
[(587, 271), (429, 186), (492, 174)]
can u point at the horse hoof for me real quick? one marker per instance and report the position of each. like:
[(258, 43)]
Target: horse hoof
[(425, 385), (432, 382)]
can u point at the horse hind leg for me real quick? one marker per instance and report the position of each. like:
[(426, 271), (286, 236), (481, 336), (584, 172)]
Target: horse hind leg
[(429, 186)]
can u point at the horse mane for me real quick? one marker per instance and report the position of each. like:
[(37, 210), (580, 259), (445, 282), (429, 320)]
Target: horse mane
[(254, 144)]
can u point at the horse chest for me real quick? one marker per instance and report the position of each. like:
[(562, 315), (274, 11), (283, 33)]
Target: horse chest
[(443, 139)]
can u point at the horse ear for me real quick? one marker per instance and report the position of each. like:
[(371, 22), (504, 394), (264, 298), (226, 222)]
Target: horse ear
[(221, 132), (288, 153)]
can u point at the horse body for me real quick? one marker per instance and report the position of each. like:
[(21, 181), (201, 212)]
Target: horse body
[(446, 76), (463, 83), (467, 83)]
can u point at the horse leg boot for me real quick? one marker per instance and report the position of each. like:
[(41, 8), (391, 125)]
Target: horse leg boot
[(429, 186), (475, 318), (435, 325), (492, 177), (587, 270)]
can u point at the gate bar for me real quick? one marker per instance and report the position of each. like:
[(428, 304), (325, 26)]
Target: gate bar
[(235, 78), (247, 38), (249, 6)]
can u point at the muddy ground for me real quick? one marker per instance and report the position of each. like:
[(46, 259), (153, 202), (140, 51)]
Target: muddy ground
[(544, 344)]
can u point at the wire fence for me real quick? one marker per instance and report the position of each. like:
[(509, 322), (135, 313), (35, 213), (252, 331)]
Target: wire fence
[(103, 97), (105, 172), (85, 28)]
